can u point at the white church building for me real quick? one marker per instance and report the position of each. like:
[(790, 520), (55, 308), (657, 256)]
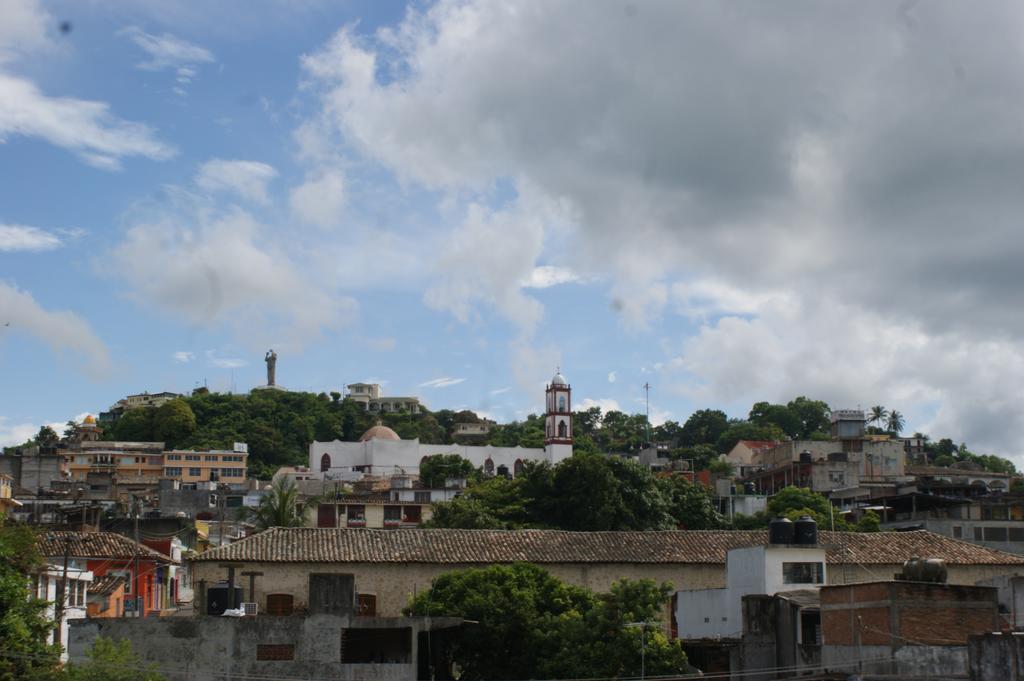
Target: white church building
[(381, 452)]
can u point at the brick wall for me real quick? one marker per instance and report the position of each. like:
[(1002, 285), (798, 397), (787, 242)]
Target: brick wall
[(906, 613)]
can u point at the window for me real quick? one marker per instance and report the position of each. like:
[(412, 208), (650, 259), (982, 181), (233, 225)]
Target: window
[(517, 468), (421, 497), (411, 514), (977, 533), (489, 466), (958, 532), (195, 472), (995, 534), (325, 463), (1017, 534), (210, 457), (392, 515), (193, 457), (563, 430), (356, 514), (174, 457), (838, 477), (172, 472), (803, 573), (367, 605), (561, 403)]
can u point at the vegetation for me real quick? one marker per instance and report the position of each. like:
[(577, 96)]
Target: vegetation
[(523, 623), (585, 492), (441, 467), (109, 660), (281, 507), (23, 625)]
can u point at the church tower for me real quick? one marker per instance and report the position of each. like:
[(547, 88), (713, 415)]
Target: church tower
[(558, 420)]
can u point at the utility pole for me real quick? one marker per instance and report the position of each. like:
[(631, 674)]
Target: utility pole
[(647, 400), (135, 575), (62, 592)]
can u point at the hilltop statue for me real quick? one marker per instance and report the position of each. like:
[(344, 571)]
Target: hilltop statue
[(271, 360)]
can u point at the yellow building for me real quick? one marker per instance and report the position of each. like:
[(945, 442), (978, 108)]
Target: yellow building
[(7, 500), (210, 466)]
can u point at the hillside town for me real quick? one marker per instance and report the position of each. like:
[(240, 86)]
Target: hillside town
[(827, 557)]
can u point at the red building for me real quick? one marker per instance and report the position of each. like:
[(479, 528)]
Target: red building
[(150, 584)]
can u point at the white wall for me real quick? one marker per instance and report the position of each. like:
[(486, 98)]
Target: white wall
[(386, 456)]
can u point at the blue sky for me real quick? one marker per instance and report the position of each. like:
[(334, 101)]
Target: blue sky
[(454, 198)]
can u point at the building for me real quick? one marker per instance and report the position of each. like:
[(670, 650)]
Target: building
[(904, 629), (406, 504), (391, 564), (150, 586), (965, 482), (744, 453), (370, 396), (46, 585), (335, 643), (7, 500), (478, 429), (381, 451), (139, 401), (106, 597), (32, 469), (215, 465)]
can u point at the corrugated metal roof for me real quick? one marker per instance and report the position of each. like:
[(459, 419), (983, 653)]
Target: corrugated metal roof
[(343, 545)]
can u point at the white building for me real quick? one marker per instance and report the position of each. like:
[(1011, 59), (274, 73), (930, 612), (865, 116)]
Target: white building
[(768, 569), (373, 400), (46, 586), (381, 452)]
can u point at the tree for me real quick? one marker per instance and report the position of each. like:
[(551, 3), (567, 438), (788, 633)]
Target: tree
[(135, 425), (895, 422), (464, 513), (434, 470), (813, 417), (71, 429), (546, 629), (173, 423), (869, 522), (110, 660), (23, 625), (704, 427), (793, 502), (878, 415), (746, 430), (516, 609), (765, 414), (280, 507), (47, 437), (690, 505)]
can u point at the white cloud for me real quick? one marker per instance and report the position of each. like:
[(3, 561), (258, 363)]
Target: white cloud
[(443, 382), (224, 362), (184, 356), (61, 330), (247, 179), (547, 276), (320, 199), (23, 29), (25, 238), (84, 127), (500, 391), (222, 267), (12, 434), (166, 51), (606, 404)]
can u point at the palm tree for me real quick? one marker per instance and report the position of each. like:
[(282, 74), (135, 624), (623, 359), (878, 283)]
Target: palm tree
[(879, 414), (896, 422), (280, 507)]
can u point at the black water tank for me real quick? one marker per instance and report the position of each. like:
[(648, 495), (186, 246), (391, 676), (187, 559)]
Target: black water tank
[(805, 531), (217, 599), (806, 456), (780, 531)]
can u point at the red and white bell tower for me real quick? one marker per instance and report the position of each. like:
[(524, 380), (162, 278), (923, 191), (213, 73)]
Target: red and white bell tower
[(558, 419)]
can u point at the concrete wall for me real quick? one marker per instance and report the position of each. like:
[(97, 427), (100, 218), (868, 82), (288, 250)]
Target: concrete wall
[(222, 648), (935, 663), (395, 584), (32, 471), (385, 456), (996, 657)]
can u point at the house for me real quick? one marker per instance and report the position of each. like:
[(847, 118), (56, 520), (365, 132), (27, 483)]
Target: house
[(745, 454), (390, 565), (7, 500), (138, 401), (372, 399), (46, 585), (106, 597), (150, 584), (214, 465), (406, 503)]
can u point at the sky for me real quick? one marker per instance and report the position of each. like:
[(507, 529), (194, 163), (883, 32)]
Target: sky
[(729, 202)]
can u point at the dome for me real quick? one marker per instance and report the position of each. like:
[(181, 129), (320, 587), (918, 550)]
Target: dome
[(559, 379), (89, 420), (379, 432)]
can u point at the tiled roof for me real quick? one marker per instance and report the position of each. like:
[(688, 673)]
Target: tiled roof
[(106, 585), (94, 545), (324, 545)]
